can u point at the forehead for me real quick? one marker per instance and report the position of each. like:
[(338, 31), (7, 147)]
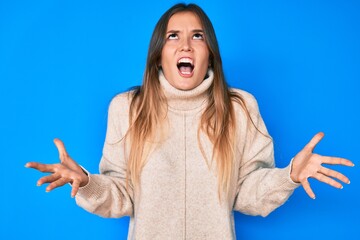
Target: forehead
[(182, 20)]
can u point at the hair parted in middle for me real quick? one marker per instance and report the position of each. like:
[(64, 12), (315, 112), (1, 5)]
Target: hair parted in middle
[(148, 106)]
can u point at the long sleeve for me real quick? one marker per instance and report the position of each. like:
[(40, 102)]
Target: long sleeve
[(106, 193), (261, 187)]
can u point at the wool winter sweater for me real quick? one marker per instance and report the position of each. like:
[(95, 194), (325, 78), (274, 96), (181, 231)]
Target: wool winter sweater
[(178, 194)]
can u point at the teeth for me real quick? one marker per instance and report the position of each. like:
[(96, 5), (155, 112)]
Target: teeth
[(185, 60)]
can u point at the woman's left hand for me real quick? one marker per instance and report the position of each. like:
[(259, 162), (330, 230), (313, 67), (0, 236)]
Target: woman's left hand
[(306, 165)]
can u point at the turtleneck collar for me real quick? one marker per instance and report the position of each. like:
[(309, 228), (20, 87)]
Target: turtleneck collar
[(186, 99)]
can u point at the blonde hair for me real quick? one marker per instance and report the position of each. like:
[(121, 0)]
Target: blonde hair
[(148, 106)]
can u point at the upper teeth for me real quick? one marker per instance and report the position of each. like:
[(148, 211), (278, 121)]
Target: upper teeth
[(185, 60)]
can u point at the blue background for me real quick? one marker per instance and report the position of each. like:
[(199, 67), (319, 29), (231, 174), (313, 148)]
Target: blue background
[(61, 62)]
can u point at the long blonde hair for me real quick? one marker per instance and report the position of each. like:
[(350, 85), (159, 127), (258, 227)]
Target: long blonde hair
[(149, 106)]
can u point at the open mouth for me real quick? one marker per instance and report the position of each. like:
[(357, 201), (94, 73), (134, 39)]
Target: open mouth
[(185, 66)]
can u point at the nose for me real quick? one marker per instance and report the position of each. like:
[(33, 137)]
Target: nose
[(185, 45)]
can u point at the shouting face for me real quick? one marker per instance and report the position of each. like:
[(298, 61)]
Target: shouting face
[(185, 55)]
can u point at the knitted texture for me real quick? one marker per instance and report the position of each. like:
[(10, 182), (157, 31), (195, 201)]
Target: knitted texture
[(178, 194)]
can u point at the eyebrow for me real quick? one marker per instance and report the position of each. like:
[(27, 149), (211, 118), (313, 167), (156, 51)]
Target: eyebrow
[(193, 31)]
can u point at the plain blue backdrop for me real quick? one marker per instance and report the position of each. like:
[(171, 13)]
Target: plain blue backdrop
[(62, 61)]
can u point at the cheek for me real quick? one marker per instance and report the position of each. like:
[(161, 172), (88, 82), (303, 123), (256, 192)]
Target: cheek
[(205, 59), (165, 57), (206, 56), (162, 57)]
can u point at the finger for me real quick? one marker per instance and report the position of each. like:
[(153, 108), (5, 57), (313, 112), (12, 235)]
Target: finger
[(334, 174), (48, 179), (336, 160), (307, 188), (314, 141), (328, 180), (40, 166), (75, 188), (61, 148), (58, 183)]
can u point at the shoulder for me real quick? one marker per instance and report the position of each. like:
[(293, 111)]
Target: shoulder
[(248, 99), (120, 103)]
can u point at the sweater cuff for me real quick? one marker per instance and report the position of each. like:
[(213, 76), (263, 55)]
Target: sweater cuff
[(289, 183), (92, 189)]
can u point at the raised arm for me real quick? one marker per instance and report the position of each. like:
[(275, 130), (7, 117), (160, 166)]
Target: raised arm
[(105, 194), (261, 187)]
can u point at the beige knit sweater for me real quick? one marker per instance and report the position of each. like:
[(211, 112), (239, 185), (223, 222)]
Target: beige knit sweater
[(179, 194)]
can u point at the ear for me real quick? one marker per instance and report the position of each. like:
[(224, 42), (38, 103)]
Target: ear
[(158, 67)]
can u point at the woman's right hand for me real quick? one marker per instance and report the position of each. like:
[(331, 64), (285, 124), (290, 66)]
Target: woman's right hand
[(67, 171)]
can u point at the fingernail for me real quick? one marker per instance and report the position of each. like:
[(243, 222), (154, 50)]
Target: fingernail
[(341, 187), (38, 184), (26, 165), (353, 165), (348, 182), (314, 197)]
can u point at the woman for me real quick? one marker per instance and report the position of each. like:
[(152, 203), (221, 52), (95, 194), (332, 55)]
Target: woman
[(183, 150)]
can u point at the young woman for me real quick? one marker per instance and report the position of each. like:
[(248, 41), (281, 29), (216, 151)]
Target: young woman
[(183, 150)]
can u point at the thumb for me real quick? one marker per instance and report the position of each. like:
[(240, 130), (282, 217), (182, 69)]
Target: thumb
[(65, 157), (314, 141)]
